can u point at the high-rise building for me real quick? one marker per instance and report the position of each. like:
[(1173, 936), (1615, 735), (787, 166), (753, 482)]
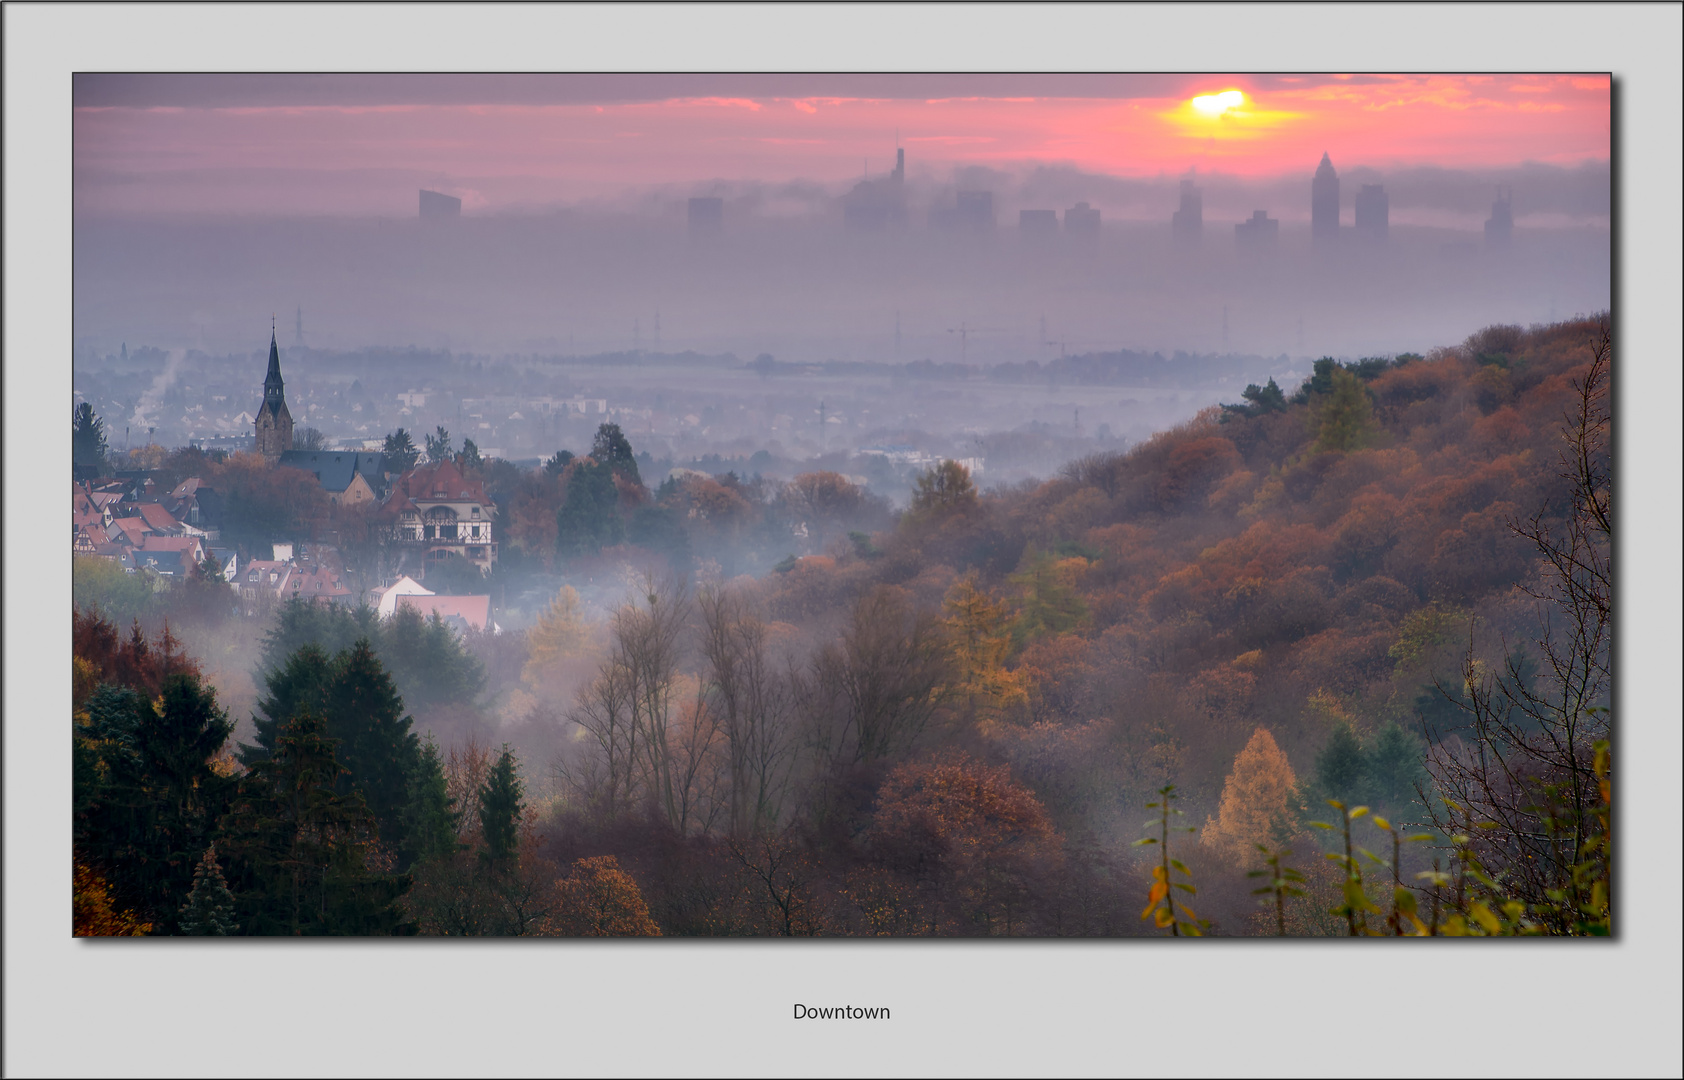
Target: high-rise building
[(1499, 227), (706, 216), (1188, 223), (1373, 210), (1037, 222), (877, 204), (1082, 220), (1324, 203), (1258, 233), (435, 205), (273, 422)]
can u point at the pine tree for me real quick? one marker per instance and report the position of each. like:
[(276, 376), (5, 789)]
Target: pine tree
[(611, 448), (209, 910), (155, 799), (1341, 770), (298, 851), (589, 520), (379, 752), (500, 805), (1259, 796), (87, 440), (1396, 763), (432, 817)]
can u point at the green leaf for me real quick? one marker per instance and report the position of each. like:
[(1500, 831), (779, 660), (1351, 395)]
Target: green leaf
[(1419, 836), (1148, 840), (1179, 865), (1186, 888), (1320, 825)]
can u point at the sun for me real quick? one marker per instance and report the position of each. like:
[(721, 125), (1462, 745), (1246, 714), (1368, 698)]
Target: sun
[(1214, 105)]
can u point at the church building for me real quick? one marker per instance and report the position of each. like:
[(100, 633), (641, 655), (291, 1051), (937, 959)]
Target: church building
[(274, 423)]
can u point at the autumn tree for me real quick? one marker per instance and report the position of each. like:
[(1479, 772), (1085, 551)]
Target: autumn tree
[(970, 836), (1259, 801), (598, 899), (93, 912), (943, 489), (979, 639), (823, 501), (1344, 416)]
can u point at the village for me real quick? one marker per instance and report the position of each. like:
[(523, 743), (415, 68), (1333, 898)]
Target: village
[(425, 512)]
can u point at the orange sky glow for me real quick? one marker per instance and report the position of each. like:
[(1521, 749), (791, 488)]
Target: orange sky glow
[(583, 149)]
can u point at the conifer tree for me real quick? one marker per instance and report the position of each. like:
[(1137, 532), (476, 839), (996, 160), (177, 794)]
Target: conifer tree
[(432, 816), (1396, 763), (298, 850), (155, 798), (209, 911), (1341, 770), (1259, 797), (500, 805)]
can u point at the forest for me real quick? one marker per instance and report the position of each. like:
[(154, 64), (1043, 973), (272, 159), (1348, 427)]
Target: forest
[(1332, 660)]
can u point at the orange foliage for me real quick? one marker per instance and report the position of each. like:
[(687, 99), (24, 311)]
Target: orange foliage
[(91, 913), (598, 899)]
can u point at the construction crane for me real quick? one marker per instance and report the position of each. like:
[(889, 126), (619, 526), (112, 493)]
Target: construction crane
[(967, 332)]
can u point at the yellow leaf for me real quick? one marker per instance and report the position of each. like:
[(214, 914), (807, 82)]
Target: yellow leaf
[(1159, 891), (1482, 915), (1163, 917)]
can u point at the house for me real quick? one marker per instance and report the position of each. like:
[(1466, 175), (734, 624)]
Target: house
[(188, 551), (435, 512), (317, 584), (384, 601), (264, 576), (349, 477), (460, 612)]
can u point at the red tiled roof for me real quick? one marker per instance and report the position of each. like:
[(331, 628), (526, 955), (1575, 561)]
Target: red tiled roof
[(157, 518), (476, 610)]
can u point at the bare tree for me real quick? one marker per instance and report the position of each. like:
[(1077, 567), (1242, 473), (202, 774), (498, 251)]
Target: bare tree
[(752, 704), (870, 695), (1526, 768)]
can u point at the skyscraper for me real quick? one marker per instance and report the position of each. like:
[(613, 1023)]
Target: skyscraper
[(1324, 203), (273, 422), (1187, 224), (1258, 233), (435, 205), (1499, 228), (1373, 210)]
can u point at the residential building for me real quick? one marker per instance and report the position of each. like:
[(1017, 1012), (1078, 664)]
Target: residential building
[(436, 512), (349, 477)]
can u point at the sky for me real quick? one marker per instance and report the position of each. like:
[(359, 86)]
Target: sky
[(359, 145)]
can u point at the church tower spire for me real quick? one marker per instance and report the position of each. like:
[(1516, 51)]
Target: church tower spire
[(274, 421)]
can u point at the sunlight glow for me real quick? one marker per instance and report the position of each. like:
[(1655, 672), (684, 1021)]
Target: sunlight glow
[(1214, 105)]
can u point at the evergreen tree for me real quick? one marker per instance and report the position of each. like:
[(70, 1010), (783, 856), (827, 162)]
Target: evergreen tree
[(1341, 771), (1396, 763), (298, 851), (469, 457), (556, 462), (438, 445), (611, 448), (155, 799), (209, 911), (379, 752), (500, 805), (432, 817), (87, 441), (589, 520), (299, 683), (400, 451)]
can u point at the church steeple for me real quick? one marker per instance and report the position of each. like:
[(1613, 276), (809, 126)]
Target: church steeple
[(274, 422)]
